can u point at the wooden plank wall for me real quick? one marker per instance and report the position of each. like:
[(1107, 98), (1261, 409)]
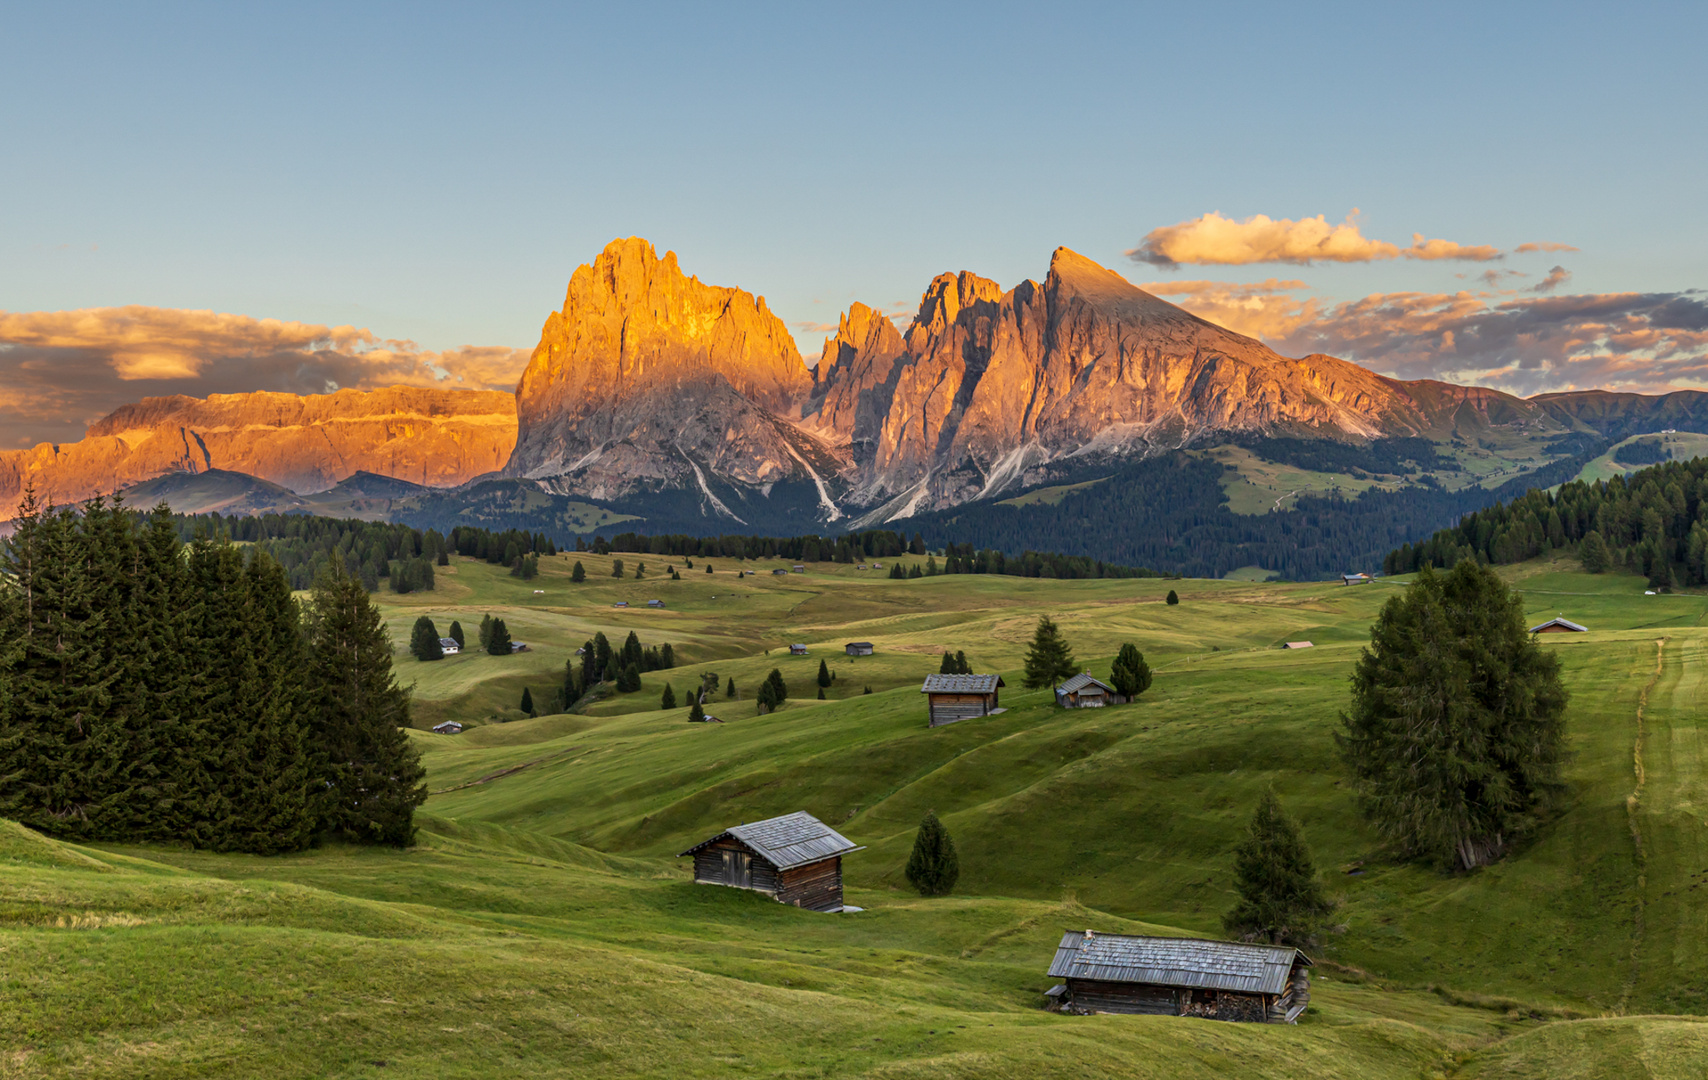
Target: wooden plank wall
[(816, 885)]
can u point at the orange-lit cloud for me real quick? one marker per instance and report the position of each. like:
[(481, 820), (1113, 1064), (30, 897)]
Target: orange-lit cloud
[(1558, 276), (61, 370), (1644, 342), (1217, 240), (1525, 249), (1264, 310)]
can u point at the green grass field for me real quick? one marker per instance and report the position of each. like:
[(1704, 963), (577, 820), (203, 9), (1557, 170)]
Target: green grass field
[(543, 927)]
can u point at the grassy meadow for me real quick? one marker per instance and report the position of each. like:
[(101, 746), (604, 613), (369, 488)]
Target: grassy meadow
[(543, 926)]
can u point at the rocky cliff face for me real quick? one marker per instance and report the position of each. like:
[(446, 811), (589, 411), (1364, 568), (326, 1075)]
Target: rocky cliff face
[(306, 444), (648, 379), (991, 384)]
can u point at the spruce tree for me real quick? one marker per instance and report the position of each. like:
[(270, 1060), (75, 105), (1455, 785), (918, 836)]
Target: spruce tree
[(271, 810), (668, 699), (485, 636), (696, 714), (578, 574), (1172, 598), (947, 667), (962, 665), (730, 692), (779, 689), (373, 780), (616, 568), (1280, 899), (632, 655), (498, 639), (666, 656), (1049, 660), (456, 633), (933, 867), (170, 760), (604, 660), (1594, 553), (424, 640), (528, 701), (823, 673), (1456, 731), (1130, 674)]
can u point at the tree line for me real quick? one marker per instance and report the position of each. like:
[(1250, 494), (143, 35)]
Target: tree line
[(1653, 522), (152, 690)]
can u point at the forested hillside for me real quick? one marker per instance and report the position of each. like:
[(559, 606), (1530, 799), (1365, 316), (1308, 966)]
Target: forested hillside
[(1169, 513), (1652, 522)]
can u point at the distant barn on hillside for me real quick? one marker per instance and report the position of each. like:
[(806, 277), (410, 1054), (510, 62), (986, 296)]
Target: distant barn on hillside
[(1559, 626), (796, 859), (858, 648), (1356, 579), (959, 697), (1085, 692), (797, 650), (1296, 645), (1159, 976)]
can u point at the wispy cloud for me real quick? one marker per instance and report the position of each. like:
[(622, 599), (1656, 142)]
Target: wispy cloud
[(61, 370), (1525, 249), (1645, 342), (1558, 276), (1216, 240), (1264, 310)]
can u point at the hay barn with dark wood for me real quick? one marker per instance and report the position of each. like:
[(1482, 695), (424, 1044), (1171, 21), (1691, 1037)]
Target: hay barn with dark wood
[(795, 859), (950, 698), (1158, 976), (1085, 692), (858, 648)]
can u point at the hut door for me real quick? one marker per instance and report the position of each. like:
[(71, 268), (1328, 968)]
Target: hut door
[(738, 868)]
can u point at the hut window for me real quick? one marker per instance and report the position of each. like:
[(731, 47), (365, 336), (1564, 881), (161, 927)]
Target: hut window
[(738, 868)]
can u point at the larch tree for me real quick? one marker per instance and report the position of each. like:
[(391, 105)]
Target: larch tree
[(374, 776), (1130, 674), (1456, 732), (934, 866), (1281, 901), (1048, 660)]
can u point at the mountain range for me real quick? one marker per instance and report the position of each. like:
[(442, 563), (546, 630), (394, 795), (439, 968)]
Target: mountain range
[(652, 395)]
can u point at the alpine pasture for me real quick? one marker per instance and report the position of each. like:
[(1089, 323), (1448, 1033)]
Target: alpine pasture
[(542, 926)]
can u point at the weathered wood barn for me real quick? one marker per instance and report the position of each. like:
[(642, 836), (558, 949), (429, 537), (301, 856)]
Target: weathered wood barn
[(1084, 692), (796, 859), (1560, 625), (858, 648), (950, 698), (1158, 976)]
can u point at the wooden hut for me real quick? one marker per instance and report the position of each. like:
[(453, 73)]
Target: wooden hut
[(1560, 625), (795, 859), (1084, 692), (1158, 976), (797, 650), (960, 697), (858, 648)]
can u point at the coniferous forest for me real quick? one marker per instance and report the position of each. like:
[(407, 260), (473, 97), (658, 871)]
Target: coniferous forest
[(152, 690), (1653, 522)]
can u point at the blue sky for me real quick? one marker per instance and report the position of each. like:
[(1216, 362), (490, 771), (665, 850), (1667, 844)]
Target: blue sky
[(435, 173)]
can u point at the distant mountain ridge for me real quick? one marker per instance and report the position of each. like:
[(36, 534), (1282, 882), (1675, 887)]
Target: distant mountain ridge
[(688, 405)]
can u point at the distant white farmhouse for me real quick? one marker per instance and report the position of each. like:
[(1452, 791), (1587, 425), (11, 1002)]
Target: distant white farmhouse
[(449, 646)]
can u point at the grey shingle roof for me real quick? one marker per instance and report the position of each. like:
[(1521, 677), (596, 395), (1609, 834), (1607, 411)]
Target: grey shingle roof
[(791, 840), (1183, 962), (1080, 682), (1562, 621), (961, 684)]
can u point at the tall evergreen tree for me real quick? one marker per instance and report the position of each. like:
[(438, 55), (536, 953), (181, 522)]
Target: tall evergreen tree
[(934, 866), (485, 636), (1280, 899), (373, 772), (1456, 731), (696, 714), (528, 701), (668, 699), (1049, 660), (616, 568), (1593, 552), (603, 658), (579, 573), (424, 640), (456, 633), (498, 639), (1172, 598), (1130, 674), (632, 652), (271, 810), (823, 673)]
